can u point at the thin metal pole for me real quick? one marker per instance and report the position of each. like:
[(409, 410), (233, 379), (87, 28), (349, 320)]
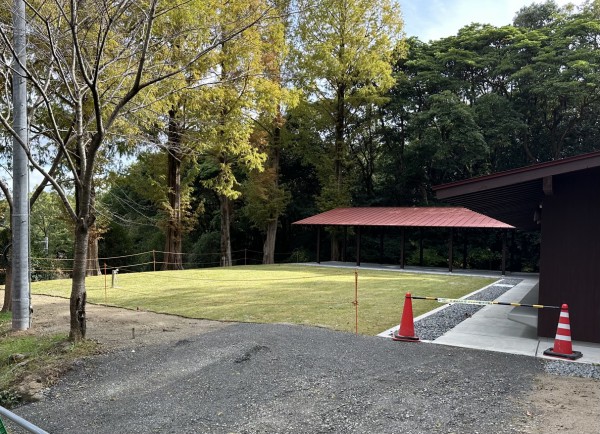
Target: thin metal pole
[(21, 422), (358, 246), (356, 298), (21, 302)]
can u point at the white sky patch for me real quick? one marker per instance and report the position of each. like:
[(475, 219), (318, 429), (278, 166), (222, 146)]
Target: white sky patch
[(435, 19)]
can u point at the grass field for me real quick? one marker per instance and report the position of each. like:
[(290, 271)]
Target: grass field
[(317, 296)]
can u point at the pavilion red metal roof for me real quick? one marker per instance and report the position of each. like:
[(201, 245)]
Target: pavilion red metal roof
[(446, 217)]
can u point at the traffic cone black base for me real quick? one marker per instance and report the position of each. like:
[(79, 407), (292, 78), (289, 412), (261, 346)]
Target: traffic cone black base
[(397, 337), (573, 356)]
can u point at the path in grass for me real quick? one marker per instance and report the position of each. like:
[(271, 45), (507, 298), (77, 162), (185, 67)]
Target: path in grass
[(318, 296)]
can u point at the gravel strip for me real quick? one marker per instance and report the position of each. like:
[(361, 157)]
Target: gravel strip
[(435, 325), (572, 369)]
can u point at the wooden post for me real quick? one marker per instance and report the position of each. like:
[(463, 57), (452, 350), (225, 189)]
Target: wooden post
[(381, 234), (420, 247), (345, 244), (154, 259), (245, 256), (402, 259), (504, 252), (465, 242), (105, 298), (451, 250), (318, 244), (357, 228)]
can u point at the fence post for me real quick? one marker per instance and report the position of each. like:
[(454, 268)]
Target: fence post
[(105, 282), (245, 257), (154, 259), (115, 272)]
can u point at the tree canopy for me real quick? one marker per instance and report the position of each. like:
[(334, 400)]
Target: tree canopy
[(233, 119)]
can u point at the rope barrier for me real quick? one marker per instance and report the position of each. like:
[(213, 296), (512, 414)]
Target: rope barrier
[(482, 302), (150, 252)]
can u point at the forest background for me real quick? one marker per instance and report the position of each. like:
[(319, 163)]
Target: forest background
[(318, 105)]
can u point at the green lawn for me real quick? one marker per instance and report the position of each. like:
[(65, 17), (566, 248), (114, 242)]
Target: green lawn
[(296, 294)]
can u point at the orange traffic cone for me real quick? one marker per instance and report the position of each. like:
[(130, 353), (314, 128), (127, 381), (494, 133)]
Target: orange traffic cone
[(406, 331), (562, 343)]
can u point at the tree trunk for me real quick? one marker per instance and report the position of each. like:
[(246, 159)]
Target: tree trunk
[(93, 262), (173, 258), (7, 306), (78, 293), (339, 155), (271, 232), (225, 206), (269, 246)]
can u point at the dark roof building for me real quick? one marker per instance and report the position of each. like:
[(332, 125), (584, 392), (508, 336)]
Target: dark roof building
[(561, 199)]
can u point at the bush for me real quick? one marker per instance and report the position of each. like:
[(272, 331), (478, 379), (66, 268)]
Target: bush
[(205, 252)]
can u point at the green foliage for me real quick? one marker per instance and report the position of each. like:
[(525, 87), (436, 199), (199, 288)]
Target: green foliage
[(10, 398), (45, 356), (49, 219), (342, 62), (373, 120), (205, 251), (265, 200)]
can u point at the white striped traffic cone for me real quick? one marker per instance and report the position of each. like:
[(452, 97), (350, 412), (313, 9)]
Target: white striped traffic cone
[(562, 342)]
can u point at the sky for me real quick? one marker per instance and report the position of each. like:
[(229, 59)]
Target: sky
[(435, 19)]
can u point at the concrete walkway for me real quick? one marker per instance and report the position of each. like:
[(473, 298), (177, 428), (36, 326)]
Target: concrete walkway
[(490, 328)]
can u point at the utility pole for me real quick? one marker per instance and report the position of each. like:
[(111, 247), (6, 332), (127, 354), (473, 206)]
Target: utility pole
[(21, 298)]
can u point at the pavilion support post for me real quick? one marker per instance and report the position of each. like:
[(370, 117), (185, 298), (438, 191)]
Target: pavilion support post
[(451, 250), (402, 259), (420, 247), (345, 244), (357, 229), (504, 252), (381, 235), (318, 244), (465, 243)]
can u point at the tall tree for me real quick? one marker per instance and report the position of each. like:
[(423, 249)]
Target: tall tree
[(99, 58), (343, 56), (244, 88), (266, 198)]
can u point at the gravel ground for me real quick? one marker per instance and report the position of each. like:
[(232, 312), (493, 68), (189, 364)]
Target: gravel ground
[(572, 369), (252, 378), (435, 325)]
